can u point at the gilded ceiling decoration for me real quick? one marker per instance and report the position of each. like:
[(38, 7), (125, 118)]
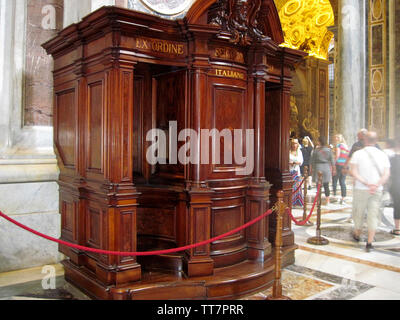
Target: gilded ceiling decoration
[(304, 24)]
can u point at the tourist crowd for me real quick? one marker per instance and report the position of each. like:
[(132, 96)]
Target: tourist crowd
[(375, 172)]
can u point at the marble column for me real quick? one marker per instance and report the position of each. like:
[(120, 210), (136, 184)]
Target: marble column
[(351, 68), (28, 166)]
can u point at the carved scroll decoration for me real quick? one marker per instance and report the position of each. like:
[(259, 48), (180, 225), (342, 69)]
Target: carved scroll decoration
[(240, 19)]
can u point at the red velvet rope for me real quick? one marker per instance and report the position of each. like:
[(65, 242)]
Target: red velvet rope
[(302, 223), (150, 253)]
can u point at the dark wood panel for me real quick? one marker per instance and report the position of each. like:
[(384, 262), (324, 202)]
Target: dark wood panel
[(227, 219), (66, 127), (127, 141), (229, 111), (138, 107), (95, 125), (68, 214), (170, 107), (93, 232), (201, 223), (253, 231), (158, 222), (126, 223)]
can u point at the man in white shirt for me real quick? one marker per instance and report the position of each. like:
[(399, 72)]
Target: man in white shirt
[(370, 168)]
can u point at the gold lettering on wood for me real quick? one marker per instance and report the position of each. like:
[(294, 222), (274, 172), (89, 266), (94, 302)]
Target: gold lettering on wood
[(229, 54), (161, 46), (230, 74)]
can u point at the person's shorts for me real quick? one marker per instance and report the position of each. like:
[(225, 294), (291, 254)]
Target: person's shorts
[(363, 202)]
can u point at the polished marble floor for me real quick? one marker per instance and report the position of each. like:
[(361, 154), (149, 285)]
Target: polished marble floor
[(341, 270)]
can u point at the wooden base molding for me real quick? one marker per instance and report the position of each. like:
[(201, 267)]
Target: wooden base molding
[(232, 282)]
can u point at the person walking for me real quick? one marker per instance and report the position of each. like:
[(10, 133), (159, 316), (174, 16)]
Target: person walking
[(341, 158), (322, 160), (295, 161), (370, 168), (306, 150), (394, 186)]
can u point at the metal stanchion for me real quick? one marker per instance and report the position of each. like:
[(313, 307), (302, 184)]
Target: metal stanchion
[(318, 239), (308, 223), (277, 287)]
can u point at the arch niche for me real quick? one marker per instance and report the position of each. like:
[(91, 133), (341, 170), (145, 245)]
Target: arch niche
[(120, 73)]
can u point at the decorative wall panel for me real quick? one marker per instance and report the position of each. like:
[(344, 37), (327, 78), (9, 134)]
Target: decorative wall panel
[(95, 125), (377, 68)]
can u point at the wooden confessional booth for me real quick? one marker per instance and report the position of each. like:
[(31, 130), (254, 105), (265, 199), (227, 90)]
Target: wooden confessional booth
[(119, 73)]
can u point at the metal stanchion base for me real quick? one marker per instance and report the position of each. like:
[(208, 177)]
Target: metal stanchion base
[(277, 292), (318, 241)]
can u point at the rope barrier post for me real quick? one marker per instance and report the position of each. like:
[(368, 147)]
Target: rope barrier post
[(277, 287), (318, 239), (308, 223)]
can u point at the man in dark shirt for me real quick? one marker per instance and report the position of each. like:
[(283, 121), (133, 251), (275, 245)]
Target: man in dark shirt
[(360, 143)]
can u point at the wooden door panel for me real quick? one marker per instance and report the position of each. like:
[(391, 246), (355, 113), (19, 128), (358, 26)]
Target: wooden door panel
[(65, 135)]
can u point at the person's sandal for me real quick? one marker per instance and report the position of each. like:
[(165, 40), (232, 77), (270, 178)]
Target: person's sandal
[(395, 232)]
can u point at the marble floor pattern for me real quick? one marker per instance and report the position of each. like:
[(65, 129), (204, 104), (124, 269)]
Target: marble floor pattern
[(341, 270)]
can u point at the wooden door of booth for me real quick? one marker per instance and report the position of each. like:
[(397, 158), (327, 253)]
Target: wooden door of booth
[(120, 73)]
